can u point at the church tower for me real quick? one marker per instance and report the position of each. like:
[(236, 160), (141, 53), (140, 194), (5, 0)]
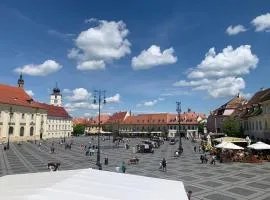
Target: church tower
[(56, 97), (20, 81)]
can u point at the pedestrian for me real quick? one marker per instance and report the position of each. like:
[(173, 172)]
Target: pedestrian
[(202, 158), (213, 162), (123, 167), (205, 158), (200, 148), (195, 148), (164, 165)]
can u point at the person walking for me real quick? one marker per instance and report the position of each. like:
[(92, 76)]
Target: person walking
[(164, 165), (123, 167), (202, 158), (195, 149), (200, 148)]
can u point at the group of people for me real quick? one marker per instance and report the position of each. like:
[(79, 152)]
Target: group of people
[(199, 149), (204, 159)]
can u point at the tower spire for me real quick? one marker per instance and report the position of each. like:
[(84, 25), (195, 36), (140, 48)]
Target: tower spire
[(20, 81)]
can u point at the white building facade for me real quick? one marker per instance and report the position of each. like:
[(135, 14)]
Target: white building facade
[(21, 118)]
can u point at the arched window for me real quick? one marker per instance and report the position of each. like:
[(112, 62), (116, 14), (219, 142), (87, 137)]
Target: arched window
[(32, 131), (265, 125), (22, 131)]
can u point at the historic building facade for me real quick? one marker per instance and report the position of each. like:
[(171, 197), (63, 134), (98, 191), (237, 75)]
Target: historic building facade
[(216, 117), (164, 124), (22, 118), (255, 115)]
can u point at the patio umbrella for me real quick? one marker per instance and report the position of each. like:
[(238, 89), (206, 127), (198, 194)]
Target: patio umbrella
[(259, 146), (228, 145)]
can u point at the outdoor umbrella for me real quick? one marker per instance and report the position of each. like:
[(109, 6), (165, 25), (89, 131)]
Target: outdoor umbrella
[(228, 145), (259, 146)]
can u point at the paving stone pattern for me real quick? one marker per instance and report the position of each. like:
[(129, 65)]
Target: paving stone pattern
[(226, 181)]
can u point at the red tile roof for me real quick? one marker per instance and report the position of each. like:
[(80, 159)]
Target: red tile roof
[(77, 121), (163, 119), (160, 118), (17, 96), (117, 117), (94, 121), (258, 96), (56, 111)]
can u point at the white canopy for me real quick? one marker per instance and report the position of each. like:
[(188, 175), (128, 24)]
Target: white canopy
[(228, 145), (88, 184), (259, 145)]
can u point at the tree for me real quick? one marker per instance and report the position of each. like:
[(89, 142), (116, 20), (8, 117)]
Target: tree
[(79, 129), (232, 127), (200, 129)]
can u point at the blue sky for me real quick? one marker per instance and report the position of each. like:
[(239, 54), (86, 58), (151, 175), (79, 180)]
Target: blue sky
[(146, 54)]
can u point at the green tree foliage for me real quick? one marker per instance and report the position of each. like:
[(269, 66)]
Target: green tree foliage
[(78, 129), (201, 128), (232, 127)]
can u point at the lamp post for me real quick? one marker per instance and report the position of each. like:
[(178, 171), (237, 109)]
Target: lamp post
[(178, 110), (98, 94), (9, 129)]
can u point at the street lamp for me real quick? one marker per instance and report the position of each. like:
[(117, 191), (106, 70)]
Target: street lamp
[(98, 94), (9, 128), (178, 110)]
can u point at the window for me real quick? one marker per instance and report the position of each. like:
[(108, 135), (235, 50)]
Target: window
[(32, 131), (22, 115), (32, 116), (265, 125), (21, 131), (256, 125), (10, 130)]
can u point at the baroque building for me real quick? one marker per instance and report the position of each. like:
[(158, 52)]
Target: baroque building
[(22, 118)]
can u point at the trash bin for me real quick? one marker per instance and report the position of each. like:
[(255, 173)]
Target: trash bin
[(106, 161)]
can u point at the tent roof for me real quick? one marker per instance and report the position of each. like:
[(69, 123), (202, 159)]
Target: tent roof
[(230, 139), (89, 184), (228, 145), (259, 145)]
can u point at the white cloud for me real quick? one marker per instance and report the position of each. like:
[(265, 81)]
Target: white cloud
[(161, 99), (59, 34), (235, 30), (230, 62), (262, 23), (88, 114), (150, 103), (153, 57), (91, 20), (219, 74), (44, 69), (113, 99), (91, 65), (66, 90), (79, 94), (30, 92), (100, 44), (81, 105)]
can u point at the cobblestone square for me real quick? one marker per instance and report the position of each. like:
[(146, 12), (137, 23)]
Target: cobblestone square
[(225, 181)]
